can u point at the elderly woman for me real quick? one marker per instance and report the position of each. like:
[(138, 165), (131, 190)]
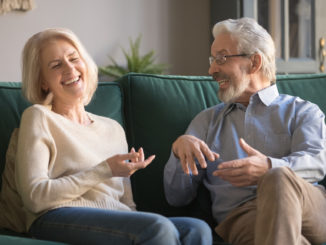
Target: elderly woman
[(72, 167)]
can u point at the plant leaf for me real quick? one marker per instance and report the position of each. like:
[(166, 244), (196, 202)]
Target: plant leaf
[(135, 62), (114, 71), (135, 58), (147, 60)]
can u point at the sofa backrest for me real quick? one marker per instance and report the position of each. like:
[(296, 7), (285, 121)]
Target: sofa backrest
[(158, 110), (310, 87), (12, 105), (107, 101)]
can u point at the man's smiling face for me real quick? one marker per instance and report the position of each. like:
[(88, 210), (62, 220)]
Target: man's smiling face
[(232, 76)]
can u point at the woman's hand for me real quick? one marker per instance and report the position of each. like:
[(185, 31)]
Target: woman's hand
[(120, 166)]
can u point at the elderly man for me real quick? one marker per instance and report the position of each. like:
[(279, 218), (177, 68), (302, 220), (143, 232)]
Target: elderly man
[(259, 153)]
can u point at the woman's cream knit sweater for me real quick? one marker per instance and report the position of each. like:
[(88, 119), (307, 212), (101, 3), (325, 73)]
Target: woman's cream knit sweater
[(60, 163)]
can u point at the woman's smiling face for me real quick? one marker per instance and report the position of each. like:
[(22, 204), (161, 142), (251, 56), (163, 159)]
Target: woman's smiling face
[(63, 71)]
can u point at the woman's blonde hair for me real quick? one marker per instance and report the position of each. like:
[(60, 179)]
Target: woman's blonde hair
[(31, 65)]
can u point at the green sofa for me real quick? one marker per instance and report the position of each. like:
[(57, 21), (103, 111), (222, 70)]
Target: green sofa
[(154, 110)]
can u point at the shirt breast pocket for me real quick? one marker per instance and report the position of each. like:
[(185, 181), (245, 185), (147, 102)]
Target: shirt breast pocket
[(277, 145)]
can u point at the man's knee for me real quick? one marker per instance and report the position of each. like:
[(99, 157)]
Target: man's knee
[(277, 175), (279, 182)]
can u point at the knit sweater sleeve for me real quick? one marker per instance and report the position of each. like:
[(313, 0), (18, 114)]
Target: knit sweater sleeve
[(38, 191), (127, 197)]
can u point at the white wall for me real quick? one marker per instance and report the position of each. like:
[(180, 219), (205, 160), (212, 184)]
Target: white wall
[(178, 30)]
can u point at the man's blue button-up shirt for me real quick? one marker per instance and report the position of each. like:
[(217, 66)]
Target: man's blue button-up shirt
[(287, 129)]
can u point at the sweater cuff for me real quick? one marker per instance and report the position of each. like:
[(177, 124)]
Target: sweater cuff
[(103, 169)]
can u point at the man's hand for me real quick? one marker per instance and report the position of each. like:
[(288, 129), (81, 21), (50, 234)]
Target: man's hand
[(120, 167), (187, 148), (245, 171)]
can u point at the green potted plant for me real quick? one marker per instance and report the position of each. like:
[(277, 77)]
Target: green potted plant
[(135, 62)]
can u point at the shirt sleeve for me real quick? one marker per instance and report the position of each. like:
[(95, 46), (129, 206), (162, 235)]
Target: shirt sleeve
[(308, 145), (38, 191), (180, 188)]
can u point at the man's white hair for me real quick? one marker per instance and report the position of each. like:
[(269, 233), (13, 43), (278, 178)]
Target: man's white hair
[(251, 38)]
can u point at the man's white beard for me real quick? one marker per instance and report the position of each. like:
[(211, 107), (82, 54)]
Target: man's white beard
[(233, 92)]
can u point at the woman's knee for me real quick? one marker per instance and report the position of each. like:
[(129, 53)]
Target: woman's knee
[(178, 230), (194, 225), (193, 231), (163, 225), (158, 230)]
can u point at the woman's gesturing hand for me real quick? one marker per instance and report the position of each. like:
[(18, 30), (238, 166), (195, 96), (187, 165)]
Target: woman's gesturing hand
[(124, 165)]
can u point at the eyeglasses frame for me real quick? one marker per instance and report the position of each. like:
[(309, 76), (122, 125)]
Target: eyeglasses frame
[(222, 58)]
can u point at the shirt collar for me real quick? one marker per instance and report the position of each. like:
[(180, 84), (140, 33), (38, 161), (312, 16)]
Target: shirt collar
[(268, 95)]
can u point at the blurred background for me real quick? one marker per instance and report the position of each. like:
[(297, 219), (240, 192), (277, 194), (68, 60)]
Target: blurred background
[(178, 31)]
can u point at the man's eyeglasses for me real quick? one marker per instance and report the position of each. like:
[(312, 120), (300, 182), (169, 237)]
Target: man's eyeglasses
[(221, 59)]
